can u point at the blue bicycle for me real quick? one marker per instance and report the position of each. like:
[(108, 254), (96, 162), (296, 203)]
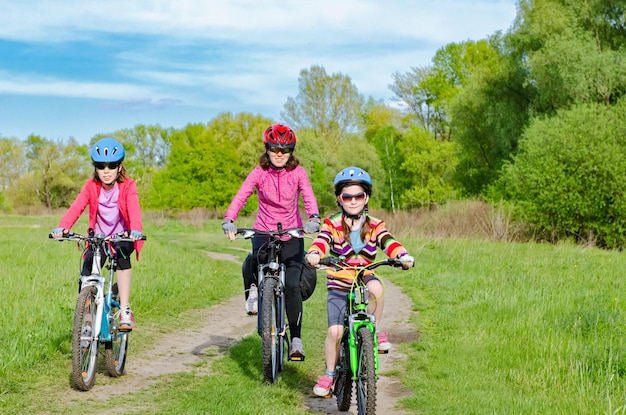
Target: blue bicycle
[(96, 316)]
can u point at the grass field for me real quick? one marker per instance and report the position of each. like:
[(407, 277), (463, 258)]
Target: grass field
[(505, 328)]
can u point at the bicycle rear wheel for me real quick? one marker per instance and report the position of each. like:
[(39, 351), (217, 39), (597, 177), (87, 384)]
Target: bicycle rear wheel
[(271, 341), (115, 350), (84, 340), (343, 384), (366, 372)]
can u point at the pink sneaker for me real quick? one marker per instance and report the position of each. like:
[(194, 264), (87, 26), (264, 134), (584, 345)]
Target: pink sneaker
[(383, 344), (324, 386), (127, 320)]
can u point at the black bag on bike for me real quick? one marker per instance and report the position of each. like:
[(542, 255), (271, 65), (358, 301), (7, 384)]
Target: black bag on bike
[(308, 280)]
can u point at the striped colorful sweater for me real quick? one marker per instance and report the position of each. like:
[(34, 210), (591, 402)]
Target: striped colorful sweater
[(330, 241)]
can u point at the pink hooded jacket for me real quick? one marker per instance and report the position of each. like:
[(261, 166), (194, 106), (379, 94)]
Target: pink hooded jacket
[(128, 202), (278, 192)]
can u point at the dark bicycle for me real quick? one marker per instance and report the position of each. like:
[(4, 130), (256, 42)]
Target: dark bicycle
[(272, 324), (96, 316), (358, 351)]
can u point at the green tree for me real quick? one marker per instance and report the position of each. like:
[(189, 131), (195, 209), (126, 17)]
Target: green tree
[(387, 142), (428, 167), (58, 170), (196, 174), (570, 172), (329, 105), (12, 166)]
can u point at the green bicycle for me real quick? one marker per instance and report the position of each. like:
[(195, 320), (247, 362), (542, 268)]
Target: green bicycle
[(358, 350)]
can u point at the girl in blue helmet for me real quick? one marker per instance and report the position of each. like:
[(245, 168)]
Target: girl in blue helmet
[(113, 208), (355, 235)]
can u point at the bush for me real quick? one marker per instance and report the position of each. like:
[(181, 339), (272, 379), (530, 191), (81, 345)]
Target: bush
[(570, 173)]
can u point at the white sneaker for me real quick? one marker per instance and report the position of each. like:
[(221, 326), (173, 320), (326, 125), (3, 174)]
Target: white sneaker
[(252, 301), (127, 320), (297, 351)]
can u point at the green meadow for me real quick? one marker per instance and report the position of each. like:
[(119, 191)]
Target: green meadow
[(504, 328)]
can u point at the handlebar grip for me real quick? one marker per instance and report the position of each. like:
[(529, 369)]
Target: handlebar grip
[(328, 261)]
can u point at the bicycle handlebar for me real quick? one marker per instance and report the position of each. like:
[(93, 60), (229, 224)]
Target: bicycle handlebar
[(339, 263), (247, 233), (118, 237)]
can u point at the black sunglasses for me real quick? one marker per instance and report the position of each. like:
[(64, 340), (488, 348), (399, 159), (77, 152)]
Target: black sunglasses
[(111, 166), (276, 150)]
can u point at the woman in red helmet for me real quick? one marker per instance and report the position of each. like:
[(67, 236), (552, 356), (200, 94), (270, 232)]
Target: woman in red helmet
[(279, 181)]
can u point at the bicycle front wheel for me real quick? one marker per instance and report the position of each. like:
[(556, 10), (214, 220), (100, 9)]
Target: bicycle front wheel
[(115, 350), (366, 372), (270, 338), (343, 384), (84, 340)]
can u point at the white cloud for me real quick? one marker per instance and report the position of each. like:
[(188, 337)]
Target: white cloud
[(277, 22), (46, 86)]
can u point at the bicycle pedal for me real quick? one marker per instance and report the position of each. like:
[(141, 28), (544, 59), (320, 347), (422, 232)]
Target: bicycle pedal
[(125, 329), (383, 351), (296, 358)]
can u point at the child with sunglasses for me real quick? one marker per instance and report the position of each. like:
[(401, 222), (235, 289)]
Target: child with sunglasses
[(113, 208), (279, 181), (354, 235)]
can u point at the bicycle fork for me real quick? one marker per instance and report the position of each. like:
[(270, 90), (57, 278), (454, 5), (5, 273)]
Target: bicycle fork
[(355, 322), (96, 281)]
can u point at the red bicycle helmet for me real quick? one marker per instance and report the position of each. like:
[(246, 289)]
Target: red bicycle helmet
[(279, 135)]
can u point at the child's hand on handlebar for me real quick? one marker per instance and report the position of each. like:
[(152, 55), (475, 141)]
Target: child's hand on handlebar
[(58, 233), (407, 261)]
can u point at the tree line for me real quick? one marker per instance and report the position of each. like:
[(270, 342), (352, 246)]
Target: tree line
[(535, 116)]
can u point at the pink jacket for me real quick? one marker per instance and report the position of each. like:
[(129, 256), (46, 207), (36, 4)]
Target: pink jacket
[(128, 202), (278, 192)]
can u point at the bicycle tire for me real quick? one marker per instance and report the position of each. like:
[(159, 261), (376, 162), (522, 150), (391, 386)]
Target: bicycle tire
[(343, 384), (366, 373), (116, 350), (85, 355), (269, 330)]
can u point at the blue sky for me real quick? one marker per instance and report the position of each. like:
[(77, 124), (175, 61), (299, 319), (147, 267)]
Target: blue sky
[(78, 68)]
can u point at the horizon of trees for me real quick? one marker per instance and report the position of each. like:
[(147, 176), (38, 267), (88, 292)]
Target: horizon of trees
[(514, 117)]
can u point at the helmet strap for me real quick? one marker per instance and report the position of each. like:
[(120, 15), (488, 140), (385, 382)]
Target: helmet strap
[(356, 217)]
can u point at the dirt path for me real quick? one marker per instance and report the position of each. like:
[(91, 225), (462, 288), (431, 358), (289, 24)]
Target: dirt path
[(196, 348)]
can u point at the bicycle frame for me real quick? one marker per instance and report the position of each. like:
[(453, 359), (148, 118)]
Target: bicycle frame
[(104, 302)]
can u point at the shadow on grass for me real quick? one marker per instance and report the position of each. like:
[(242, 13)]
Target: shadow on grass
[(247, 354)]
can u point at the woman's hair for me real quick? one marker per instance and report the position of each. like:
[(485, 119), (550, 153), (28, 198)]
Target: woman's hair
[(265, 162), (121, 175)]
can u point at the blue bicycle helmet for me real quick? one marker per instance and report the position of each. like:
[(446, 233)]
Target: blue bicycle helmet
[(107, 150), (350, 176)]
